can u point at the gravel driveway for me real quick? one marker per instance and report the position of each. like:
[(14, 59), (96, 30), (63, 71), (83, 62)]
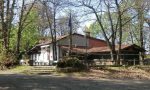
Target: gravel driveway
[(41, 82)]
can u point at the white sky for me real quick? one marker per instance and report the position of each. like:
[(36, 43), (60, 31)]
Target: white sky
[(85, 20)]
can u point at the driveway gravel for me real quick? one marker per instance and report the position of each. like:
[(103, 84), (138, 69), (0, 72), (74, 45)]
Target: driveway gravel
[(45, 82)]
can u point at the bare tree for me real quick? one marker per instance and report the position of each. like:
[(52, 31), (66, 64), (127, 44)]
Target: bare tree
[(63, 21), (50, 22), (141, 7), (120, 29), (98, 14), (54, 6)]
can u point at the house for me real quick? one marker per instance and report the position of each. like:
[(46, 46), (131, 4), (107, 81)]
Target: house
[(42, 54), (129, 55)]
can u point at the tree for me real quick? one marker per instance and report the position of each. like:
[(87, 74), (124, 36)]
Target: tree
[(30, 35), (141, 8), (63, 22), (22, 24), (6, 16), (120, 29), (114, 19), (98, 14), (53, 6)]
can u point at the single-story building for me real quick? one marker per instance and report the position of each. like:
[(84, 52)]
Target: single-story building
[(92, 48)]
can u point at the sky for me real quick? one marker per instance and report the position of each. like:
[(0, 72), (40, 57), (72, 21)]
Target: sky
[(85, 20)]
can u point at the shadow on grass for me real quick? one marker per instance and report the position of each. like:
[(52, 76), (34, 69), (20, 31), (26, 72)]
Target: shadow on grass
[(42, 82)]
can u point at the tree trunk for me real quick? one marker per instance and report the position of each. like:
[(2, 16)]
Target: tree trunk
[(50, 26), (120, 31), (140, 10), (11, 15), (18, 42), (19, 30), (4, 26), (55, 44), (141, 22), (70, 35)]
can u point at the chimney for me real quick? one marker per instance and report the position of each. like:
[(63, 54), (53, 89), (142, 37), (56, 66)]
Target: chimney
[(87, 33)]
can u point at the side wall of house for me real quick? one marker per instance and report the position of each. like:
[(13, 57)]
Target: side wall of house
[(83, 41), (43, 55), (76, 41), (50, 53), (97, 43)]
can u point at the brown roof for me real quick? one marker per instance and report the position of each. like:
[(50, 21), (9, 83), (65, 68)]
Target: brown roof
[(98, 49), (65, 36), (46, 42), (101, 49), (107, 49), (78, 50)]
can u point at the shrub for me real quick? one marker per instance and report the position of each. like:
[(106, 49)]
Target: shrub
[(7, 60), (71, 64)]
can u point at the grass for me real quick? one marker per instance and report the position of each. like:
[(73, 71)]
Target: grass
[(109, 72), (147, 56), (16, 69), (20, 68), (130, 72)]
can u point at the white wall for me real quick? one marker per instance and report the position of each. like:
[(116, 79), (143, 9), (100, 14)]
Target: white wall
[(51, 52), (42, 56), (46, 55)]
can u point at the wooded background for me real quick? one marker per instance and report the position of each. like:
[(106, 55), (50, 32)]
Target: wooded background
[(23, 23)]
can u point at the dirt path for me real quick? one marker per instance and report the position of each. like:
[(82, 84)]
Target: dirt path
[(40, 82)]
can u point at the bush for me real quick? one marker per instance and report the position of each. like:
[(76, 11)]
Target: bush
[(71, 64), (7, 60)]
